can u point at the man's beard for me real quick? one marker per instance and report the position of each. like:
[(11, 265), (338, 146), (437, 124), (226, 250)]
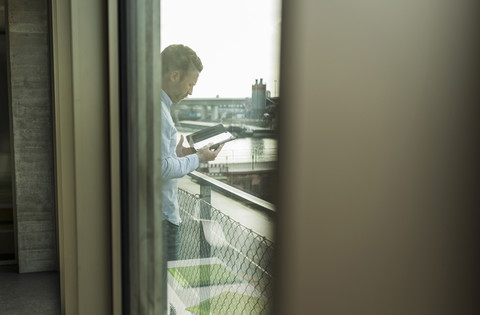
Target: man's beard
[(178, 99)]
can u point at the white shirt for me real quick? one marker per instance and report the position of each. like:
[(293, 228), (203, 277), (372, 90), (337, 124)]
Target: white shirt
[(173, 167)]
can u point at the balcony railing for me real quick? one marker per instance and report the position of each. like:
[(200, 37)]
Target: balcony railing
[(223, 267)]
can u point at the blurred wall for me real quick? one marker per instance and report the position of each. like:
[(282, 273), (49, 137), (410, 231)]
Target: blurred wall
[(5, 175), (378, 158)]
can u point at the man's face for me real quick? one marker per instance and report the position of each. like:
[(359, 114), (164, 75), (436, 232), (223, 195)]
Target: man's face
[(181, 88)]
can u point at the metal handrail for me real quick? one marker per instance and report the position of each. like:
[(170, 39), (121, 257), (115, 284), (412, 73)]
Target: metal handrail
[(232, 191)]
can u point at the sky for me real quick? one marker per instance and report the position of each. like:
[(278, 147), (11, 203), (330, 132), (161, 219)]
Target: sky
[(238, 41)]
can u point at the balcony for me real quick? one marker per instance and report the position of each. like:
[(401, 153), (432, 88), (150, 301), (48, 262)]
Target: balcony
[(226, 252)]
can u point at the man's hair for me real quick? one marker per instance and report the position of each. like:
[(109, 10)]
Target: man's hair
[(180, 57)]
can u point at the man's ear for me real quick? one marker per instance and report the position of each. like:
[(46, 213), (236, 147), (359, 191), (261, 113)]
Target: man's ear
[(174, 76)]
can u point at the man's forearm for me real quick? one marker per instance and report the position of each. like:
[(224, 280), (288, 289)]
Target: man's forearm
[(174, 167)]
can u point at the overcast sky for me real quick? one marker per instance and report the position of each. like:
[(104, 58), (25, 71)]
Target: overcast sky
[(238, 41)]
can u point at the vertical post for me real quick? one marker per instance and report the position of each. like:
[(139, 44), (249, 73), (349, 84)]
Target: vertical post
[(80, 79), (205, 248), (205, 214), (142, 81), (206, 193), (115, 160)]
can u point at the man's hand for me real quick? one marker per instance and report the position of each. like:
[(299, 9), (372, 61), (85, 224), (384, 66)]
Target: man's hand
[(181, 150), (205, 154)]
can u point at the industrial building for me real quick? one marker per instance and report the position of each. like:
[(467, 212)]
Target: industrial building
[(219, 108)]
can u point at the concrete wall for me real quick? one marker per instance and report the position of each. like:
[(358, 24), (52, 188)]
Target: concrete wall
[(31, 104), (4, 114)]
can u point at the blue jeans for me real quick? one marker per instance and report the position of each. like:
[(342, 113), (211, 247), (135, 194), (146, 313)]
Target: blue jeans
[(172, 236)]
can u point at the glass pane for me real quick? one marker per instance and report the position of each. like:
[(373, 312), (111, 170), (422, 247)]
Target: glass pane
[(224, 221)]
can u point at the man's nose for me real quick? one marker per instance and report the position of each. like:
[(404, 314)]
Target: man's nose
[(190, 91)]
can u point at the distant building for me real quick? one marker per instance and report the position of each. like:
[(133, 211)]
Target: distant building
[(259, 99), (213, 109)]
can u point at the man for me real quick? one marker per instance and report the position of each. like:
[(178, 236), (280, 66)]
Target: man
[(181, 68)]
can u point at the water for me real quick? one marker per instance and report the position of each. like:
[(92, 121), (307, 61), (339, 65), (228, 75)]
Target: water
[(245, 163)]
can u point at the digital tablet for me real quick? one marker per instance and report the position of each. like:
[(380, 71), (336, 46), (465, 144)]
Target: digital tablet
[(217, 135)]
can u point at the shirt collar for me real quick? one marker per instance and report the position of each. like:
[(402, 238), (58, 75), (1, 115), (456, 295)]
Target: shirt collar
[(166, 99)]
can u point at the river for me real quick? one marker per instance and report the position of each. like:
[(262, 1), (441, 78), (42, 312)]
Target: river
[(245, 150)]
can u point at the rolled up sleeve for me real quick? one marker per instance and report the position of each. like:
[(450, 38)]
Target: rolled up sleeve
[(173, 166)]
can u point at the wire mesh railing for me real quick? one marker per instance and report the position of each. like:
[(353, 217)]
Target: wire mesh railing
[(223, 267)]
